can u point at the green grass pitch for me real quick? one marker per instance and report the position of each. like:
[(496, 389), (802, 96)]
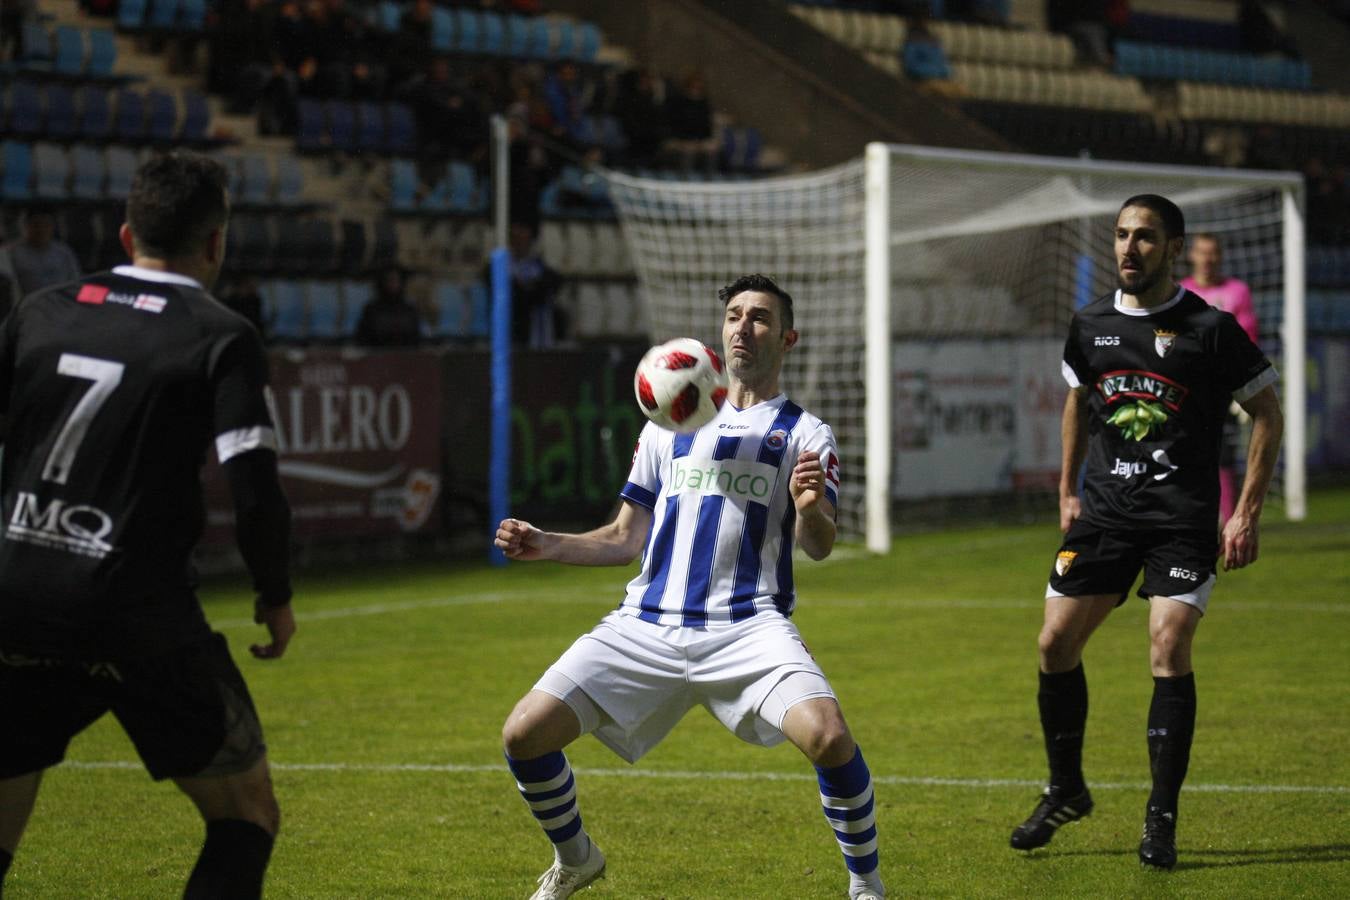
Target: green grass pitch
[(384, 720)]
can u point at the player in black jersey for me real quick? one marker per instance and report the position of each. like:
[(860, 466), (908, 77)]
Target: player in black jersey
[(1151, 369), (112, 390)]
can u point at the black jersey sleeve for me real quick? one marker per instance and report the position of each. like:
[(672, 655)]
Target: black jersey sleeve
[(1242, 368), (1075, 361), (241, 418)]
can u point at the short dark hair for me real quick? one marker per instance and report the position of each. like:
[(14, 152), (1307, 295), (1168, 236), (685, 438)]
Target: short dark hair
[(1174, 223), (762, 284), (176, 201)]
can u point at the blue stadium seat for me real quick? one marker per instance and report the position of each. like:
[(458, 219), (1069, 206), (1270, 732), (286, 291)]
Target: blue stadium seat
[(369, 127), (196, 118), (95, 115), (69, 51), (480, 320), (16, 164), (401, 129), (129, 121), (51, 172), (192, 15), (131, 14), (452, 311), (402, 185), (102, 53), (290, 188), (256, 186), (162, 118), (587, 45), (442, 30), (163, 15), (122, 164), (61, 119), (438, 198), (88, 176), (540, 44), (355, 296), (311, 130), (250, 248), (25, 109), (465, 196), (325, 311), (284, 310), (468, 31), (517, 36), (37, 47), (493, 39), (341, 126), (388, 17), (563, 38)]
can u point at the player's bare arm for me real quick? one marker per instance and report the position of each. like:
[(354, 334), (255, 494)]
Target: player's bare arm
[(1240, 542), (1073, 433), (615, 544), (280, 624), (815, 529)]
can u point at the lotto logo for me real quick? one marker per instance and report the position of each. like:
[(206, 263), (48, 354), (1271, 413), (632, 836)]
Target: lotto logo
[(1185, 574), (1109, 341)]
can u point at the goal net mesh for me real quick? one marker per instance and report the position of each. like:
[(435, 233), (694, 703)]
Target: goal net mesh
[(988, 263)]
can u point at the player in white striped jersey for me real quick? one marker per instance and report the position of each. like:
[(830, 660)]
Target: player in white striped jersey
[(715, 515)]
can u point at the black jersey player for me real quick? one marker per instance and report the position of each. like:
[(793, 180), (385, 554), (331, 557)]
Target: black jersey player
[(1152, 369), (112, 391)]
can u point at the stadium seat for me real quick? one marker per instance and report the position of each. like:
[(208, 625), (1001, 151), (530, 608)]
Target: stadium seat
[(311, 131), (352, 246), (442, 30), (492, 39), (256, 186), (251, 247), (554, 247), (402, 185), (16, 164), (355, 296), (131, 14), (62, 122), (384, 244), (465, 196), (290, 181), (196, 118), (89, 177), (388, 16), (122, 163), (480, 310), (468, 31), (319, 247), (129, 120), (192, 15), (51, 172), (37, 47), (401, 129), (341, 126), (325, 310), (370, 134), (562, 38), (540, 42), (25, 109), (163, 15), (69, 59), (102, 53), (517, 36), (452, 311), (284, 310), (587, 42), (161, 116)]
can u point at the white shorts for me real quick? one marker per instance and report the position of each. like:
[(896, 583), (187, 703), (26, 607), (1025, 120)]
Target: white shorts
[(645, 677)]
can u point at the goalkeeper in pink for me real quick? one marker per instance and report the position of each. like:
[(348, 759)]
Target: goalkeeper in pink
[(1233, 296)]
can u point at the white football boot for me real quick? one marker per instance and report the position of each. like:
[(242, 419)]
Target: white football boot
[(563, 881)]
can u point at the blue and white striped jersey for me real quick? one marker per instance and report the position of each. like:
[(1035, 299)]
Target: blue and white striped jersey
[(720, 548)]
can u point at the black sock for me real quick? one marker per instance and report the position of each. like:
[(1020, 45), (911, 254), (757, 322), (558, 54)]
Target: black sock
[(1063, 700), (1171, 724), (232, 862)]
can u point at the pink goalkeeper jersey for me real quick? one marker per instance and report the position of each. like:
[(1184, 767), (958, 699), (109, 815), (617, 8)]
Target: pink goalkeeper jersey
[(1233, 297)]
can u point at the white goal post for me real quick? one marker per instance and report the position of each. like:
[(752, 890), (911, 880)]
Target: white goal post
[(933, 291)]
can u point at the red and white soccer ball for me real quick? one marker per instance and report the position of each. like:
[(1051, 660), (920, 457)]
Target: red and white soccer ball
[(680, 384)]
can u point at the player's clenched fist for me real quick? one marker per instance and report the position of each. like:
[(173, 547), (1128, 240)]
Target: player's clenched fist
[(808, 478), (519, 540)]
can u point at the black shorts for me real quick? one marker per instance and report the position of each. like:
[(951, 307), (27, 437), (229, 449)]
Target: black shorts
[(1177, 564), (188, 711)]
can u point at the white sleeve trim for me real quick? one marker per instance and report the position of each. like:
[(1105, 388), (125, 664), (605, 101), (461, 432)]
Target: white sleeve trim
[(1256, 385), (1070, 375), (232, 443)]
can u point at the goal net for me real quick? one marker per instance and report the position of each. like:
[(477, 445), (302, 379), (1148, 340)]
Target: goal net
[(933, 292)]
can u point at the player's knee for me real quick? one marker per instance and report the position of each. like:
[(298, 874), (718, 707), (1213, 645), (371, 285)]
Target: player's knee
[(1057, 650), (519, 739), (1170, 652), (831, 744)]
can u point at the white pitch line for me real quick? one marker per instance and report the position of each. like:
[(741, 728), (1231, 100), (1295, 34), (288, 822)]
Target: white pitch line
[(537, 597), (681, 775)]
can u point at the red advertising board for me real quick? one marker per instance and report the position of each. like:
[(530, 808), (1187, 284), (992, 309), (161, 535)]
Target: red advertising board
[(359, 444)]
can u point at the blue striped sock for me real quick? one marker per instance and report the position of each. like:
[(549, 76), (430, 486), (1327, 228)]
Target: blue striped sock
[(549, 790), (846, 797)]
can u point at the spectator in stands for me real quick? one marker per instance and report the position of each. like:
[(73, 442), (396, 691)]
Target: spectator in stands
[(13, 15), (922, 55), (1233, 296), (689, 116), (569, 97), (39, 258), (246, 63), (388, 319), (536, 320), (450, 121), (641, 114), (1092, 24), (532, 168)]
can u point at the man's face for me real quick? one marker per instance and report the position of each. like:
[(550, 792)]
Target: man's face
[(753, 338), (1144, 255), (1205, 258)]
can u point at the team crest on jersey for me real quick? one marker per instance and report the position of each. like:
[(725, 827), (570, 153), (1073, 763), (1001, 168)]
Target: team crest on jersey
[(776, 439), (1163, 340), (1064, 560)]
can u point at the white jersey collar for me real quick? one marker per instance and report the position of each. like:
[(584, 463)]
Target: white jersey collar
[(155, 275), (1153, 311), (775, 399)]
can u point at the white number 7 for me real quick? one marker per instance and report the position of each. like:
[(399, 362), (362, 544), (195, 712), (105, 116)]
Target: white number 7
[(105, 376)]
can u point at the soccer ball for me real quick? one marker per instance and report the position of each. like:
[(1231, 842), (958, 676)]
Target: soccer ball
[(680, 384)]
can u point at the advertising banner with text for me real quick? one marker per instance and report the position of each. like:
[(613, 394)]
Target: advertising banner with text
[(359, 444)]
